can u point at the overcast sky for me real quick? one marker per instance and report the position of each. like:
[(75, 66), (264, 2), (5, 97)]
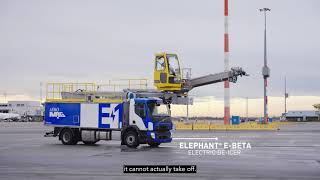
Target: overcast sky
[(96, 41)]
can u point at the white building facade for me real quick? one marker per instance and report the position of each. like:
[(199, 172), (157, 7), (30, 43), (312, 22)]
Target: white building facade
[(23, 108), (303, 116)]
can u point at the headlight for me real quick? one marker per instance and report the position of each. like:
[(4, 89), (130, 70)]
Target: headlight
[(153, 136)]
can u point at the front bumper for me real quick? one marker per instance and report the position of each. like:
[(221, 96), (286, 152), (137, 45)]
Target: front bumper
[(159, 137)]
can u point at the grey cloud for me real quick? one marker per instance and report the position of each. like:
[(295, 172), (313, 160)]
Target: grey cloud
[(101, 40)]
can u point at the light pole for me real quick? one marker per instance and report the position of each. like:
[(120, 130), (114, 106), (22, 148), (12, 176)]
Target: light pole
[(40, 92), (5, 97), (188, 109), (286, 95), (265, 69), (247, 109)]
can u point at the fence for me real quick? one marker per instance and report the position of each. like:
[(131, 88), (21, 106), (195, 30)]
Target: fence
[(207, 126)]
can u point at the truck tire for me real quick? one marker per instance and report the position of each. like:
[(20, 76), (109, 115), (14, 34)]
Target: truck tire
[(67, 137), (153, 144), (131, 139), (89, 142)]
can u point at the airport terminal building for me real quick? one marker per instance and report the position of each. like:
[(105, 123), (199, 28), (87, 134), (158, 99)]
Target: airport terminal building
[(303, 116), (23, 108)]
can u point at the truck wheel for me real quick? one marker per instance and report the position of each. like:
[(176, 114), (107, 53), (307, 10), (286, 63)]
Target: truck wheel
[(153, 144), (131, 139), (67, 137), (89, 142)]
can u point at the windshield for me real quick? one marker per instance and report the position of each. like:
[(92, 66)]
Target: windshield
[(158, 109), (174, 68), (160, 64)]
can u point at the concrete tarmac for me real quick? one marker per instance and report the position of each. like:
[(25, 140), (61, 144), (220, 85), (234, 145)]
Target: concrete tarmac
[(291, 153)]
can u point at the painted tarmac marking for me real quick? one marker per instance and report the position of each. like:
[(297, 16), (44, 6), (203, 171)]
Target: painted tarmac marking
[(196, 138)]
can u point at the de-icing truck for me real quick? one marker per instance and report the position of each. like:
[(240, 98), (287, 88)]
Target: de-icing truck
[(86, 112), (140, 120)]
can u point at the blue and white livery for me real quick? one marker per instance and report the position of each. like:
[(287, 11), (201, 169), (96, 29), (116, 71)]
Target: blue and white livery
[(140, 120)]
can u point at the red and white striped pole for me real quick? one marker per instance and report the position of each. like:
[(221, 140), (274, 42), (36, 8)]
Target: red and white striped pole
[(226, 66)]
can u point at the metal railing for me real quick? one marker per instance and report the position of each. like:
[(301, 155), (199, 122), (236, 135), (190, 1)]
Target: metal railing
[(120, 84), (54, 90)]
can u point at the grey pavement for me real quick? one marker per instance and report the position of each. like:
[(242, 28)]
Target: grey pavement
[(291, 153)]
